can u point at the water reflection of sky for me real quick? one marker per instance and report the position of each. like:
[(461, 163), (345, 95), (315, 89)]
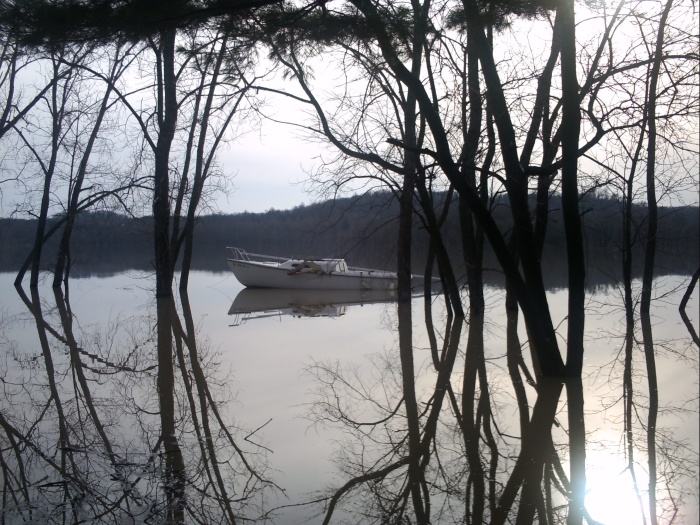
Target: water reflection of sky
[(266, 359), (268, 356)]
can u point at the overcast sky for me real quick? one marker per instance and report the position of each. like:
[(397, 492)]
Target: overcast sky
[(269, 170), (270, 164), (268, 173)]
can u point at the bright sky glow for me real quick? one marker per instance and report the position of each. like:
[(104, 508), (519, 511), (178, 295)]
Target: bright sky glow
[(611, 496)]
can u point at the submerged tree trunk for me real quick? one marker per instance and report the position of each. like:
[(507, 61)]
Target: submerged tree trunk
[(514, 358), (652, 416), (415, 478), (535, 450), (471, 431), (577, 450), (173, 475)]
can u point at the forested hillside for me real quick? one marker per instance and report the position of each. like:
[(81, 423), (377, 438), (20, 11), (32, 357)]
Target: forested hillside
[(360, 228)]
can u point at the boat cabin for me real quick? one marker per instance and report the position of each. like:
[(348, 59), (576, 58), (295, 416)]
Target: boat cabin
[(319, 266)]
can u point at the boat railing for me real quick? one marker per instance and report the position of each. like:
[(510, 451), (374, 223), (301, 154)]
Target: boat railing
[(241, 255), (238, 254)]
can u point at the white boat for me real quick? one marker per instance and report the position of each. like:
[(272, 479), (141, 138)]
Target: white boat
[(261, 271)]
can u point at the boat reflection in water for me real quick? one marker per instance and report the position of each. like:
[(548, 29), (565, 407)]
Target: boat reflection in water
[(257, 303)]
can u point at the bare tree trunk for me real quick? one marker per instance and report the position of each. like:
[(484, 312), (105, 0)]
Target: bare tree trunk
[(570, 125), (649, 259), (684, 301), (472, 232), (57, 108), (167, 119), (432, 224), (530, 291), (173, 474), (689, 291), (63, 256), (202, 164)]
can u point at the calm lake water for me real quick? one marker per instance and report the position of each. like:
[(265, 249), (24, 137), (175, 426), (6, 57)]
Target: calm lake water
[(288, 388)]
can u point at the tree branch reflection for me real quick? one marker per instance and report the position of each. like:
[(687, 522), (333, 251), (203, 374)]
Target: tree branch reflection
[(502, 449), (82, 439)]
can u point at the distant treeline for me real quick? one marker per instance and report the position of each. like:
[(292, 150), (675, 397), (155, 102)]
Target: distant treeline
[(361, 229)]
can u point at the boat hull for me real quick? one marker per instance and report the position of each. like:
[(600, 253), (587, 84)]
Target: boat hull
[(265, 275)]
